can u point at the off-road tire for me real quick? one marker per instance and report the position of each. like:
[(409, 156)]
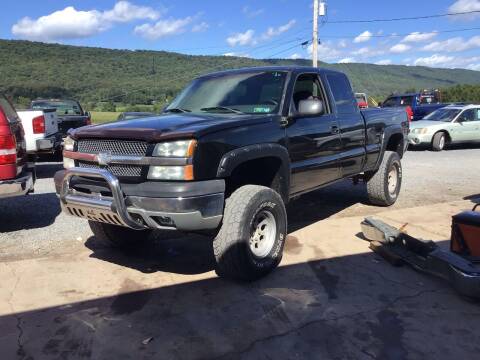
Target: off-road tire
[(235, 259), (118, 236), (378, 182), (439, 141)]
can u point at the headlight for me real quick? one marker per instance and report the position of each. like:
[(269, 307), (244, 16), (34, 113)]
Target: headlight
[(420, 131), (69, 144), (171, 172), (173, 149), (184, 148)]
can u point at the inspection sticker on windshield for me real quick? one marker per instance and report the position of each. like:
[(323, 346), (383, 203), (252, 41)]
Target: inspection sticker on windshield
[(261, 110)]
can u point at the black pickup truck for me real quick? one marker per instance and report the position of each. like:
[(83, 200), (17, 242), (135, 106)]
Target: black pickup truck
[(70, 113), (226, 156)]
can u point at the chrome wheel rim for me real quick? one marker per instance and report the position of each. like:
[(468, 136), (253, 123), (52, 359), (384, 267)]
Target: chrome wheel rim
[(393, 180), (442, 142), (263, 235)]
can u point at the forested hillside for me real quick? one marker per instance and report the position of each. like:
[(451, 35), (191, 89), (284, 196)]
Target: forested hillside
[(94, 75)]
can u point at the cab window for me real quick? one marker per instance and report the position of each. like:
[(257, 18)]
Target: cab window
[(342, 93)]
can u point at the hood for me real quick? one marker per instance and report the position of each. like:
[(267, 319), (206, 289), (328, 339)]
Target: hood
[(168, 126), (426, 123)]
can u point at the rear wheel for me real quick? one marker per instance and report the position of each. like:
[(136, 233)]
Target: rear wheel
[(250, 242), (439, 141), (384, 186), (118, 236)]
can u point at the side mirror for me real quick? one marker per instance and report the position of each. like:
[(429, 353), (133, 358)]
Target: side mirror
[(310, 107), (87, 113)]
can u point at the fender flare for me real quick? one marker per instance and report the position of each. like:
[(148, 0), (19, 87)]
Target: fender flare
[(236, 157), (387, 134)]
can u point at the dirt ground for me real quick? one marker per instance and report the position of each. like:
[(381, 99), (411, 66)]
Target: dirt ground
[(63, 295)]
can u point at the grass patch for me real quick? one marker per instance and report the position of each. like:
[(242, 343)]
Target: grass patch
[(100, 117)]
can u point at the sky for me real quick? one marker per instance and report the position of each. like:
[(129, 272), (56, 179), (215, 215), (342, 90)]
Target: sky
[(258, 29)]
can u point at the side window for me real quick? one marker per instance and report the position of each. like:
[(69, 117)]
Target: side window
[(306, 87), (477, 112), (342, 93), (469, 115)]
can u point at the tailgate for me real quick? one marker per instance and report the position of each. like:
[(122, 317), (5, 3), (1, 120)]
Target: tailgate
[(51, 122)]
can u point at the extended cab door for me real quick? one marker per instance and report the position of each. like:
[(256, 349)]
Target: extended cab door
[(350, 122), (314, 142)]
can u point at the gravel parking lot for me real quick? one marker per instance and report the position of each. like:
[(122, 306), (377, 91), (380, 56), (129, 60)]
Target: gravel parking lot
[(33, 226)]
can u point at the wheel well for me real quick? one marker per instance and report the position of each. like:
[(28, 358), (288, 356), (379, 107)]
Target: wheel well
[(265, 171), (395, 143)]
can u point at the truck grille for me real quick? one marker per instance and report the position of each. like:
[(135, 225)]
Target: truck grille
[(115, 169), (114, 147)]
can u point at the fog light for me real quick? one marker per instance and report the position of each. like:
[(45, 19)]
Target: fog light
[(68, 163)]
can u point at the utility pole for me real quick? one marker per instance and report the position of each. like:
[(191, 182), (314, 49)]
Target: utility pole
[(315, 33)]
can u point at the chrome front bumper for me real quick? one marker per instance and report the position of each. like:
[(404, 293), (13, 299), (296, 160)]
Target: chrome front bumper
[(201, 212)]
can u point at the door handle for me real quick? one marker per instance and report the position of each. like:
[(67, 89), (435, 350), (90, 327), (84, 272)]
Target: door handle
[(335, 130)]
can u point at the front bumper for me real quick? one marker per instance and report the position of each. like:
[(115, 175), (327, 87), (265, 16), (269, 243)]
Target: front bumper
[(97, 195), (419, 139), (17, 187)]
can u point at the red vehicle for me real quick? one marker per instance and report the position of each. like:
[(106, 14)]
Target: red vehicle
[(362, 100), (17, 177)]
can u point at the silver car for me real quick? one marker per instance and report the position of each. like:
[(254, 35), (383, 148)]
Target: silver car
[(448, 125)]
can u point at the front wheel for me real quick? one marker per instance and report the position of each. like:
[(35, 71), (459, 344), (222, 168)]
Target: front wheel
[(250, 242), (439, 141), (384, 186)]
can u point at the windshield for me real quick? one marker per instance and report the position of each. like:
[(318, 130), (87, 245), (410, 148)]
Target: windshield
[(443, 114), (63, 107), (249, 93)]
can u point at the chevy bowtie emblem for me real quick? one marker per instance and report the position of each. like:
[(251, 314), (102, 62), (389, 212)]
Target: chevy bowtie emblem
[(104, 158)]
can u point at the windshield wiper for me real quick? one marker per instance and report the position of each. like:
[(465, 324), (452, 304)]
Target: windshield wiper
[(222, 108), (177, 110)]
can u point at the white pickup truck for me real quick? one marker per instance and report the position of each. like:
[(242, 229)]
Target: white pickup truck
[(41, 131)]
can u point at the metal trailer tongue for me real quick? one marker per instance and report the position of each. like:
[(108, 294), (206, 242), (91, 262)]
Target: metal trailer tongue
[(399, 248)]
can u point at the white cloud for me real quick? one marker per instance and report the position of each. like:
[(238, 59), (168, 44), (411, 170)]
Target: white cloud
[(346, 60), (363, 37), (416, 36), (456, 44), (124, 11), (465, 6), (384, 62), (296, 56), (343, 43), (242, 39), (163, 28), (451, 62), (271, 32), (400, 48), (326, 51), (251, 13), (71, 23), (203, 26)]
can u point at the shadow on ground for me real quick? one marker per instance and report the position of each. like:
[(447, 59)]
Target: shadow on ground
[(28, 212), (351, 307)]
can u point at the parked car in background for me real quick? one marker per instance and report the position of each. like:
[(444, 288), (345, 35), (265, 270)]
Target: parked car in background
[(416, 103), (129, 115), (449, 125), (41, 131), (70, 113), (226, 156), (17, 176), (362, 100)]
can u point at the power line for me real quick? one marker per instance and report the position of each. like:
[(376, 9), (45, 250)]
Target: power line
[(399, 35), (404, 18)]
